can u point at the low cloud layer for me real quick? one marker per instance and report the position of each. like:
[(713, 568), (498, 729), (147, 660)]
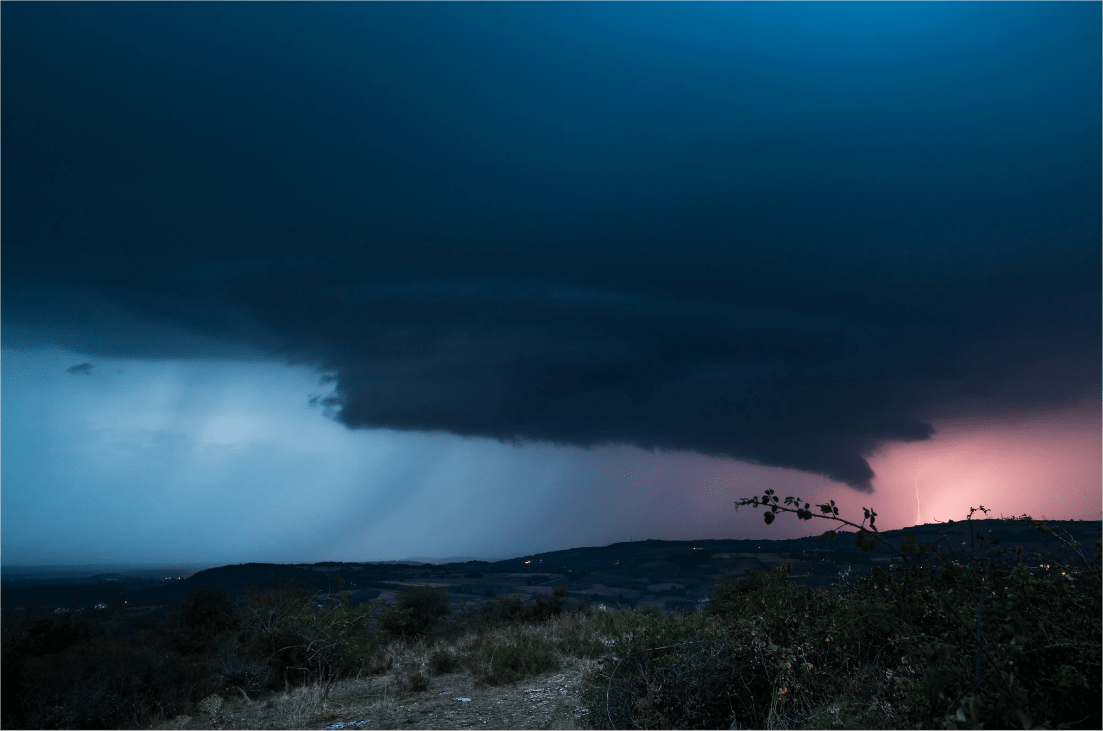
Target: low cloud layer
[(812, 389), (789, 261)]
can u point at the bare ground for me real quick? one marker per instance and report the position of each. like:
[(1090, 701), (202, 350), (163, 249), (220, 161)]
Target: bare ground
[(546, 701)]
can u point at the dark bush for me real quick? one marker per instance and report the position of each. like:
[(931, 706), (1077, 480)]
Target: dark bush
[(545, 606), (53, 632), (112, 669), (685, 671), (269, 622), (302, 637), (511, 609), (504, 610), (512, 662), (110, 686), (442, 662), (416, 610), (37, 661), (208, 610), (202, 623)]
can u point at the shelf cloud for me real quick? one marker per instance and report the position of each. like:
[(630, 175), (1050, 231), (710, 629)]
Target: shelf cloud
[(787, 257)]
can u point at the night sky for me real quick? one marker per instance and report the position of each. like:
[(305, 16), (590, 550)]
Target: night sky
[(304, 282)]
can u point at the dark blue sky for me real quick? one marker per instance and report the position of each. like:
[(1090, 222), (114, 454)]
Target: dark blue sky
[(790, 235)]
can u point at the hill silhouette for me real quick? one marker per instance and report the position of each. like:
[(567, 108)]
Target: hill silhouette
[(670, 574)]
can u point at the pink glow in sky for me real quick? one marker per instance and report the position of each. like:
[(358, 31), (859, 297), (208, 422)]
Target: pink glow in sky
[(1045, 465)]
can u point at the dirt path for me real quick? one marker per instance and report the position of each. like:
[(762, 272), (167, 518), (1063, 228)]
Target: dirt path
[(548, 701)]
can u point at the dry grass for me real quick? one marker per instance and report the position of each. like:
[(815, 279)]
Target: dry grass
[(496, 667), (560, 674)]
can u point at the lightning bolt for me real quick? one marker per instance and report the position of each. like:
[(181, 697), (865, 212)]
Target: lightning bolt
[(918, 514)]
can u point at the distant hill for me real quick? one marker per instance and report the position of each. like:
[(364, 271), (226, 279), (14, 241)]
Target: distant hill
[(435, 561), (671, 574)]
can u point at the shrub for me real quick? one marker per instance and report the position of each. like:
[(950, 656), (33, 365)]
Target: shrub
[(685, 671), (268, 622), (511, 609), (109, 686), (208, 610), (545, 606), (300, 639), (93, 670), (416, 610), (508, 662), (442, 662), (202, 623), (503, 610), (53, 632)]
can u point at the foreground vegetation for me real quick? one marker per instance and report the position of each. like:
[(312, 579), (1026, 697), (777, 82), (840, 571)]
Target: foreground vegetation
[(940, 638)]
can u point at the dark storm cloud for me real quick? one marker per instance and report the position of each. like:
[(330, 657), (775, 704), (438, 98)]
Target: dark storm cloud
[(785, 234), (81, 368)]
